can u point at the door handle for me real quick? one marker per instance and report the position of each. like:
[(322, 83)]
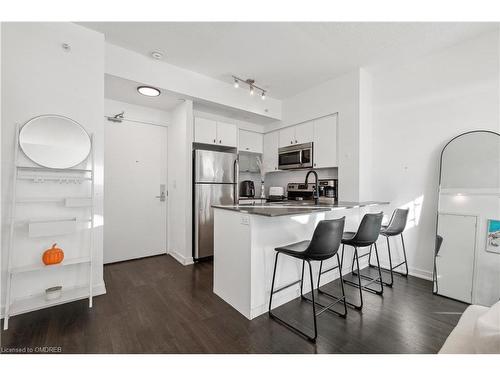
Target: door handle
[(162, 195)]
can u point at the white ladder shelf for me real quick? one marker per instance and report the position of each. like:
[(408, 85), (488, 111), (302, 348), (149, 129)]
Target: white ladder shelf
[(39, 174)]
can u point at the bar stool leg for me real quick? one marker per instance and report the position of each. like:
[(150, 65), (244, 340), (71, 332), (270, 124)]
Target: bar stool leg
[(335, 298), (379, 272), (341, 285), (272, 284), (359, 286), (404, 253), (313, 303), (302, 281), (390, 263), (286, 324)]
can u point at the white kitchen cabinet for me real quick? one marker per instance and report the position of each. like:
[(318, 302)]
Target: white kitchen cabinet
[(205, 130), (325, 142), (227, 134), (215, 132), (271, 145), (292, 135), (250, 141), (287, 136), (304, 132)]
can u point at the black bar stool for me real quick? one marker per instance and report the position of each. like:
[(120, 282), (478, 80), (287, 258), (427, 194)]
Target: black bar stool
[(396, 226), (323, 245), (366, 236)]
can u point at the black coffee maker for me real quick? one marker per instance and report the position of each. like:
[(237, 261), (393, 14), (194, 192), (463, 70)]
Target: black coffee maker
[(247, 189)]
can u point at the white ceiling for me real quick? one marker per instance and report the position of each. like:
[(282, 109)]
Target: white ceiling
[(124, 90), (285, 58)]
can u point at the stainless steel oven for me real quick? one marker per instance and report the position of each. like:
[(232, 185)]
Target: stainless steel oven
[(296, 156)]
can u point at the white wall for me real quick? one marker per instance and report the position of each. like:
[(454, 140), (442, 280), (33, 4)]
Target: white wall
[(121, 62), (339, 95), (38, 77), (136, 112), (417, 108), (180, 138)]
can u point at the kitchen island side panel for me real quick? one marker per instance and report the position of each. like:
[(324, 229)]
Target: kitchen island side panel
[(232, 249)]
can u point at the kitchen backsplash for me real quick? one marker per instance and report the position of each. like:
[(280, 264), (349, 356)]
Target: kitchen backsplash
[(255, 177), (282, 178)]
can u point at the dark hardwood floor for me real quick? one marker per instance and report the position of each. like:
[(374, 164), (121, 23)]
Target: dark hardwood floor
[(155, 305)]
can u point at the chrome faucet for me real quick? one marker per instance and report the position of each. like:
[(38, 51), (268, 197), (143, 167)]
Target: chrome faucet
[(316, 188)]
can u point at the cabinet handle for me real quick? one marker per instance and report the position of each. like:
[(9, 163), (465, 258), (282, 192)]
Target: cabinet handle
[(291, 142), (247, 148), (295, 141), (220, 141), (314, 164), (215, 141)]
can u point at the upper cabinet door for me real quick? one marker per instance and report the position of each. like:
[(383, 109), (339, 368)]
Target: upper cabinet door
[(205, 130), (304, 132), (270, 158), (227, 134), (250, 141), (325, 142), (287, 136)]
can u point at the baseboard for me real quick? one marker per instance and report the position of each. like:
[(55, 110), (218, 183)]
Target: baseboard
[(185, 261), (421, 274), (412, 271), (97, 290)]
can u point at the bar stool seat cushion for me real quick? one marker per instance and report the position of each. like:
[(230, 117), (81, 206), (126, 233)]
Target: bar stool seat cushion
[(385, 231), (295, 250), (349, 238)]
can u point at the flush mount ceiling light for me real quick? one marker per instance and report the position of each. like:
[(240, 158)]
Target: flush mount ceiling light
[(251, 84), (157, 55), (148, 91)]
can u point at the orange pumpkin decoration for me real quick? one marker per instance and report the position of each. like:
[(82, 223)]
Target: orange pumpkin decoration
[(54, 255)]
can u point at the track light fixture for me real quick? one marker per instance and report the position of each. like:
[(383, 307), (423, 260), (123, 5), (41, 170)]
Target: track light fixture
[(251, 84)]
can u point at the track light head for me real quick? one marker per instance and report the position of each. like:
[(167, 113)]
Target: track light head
[(263, 96), (236, 83), (252, 90)]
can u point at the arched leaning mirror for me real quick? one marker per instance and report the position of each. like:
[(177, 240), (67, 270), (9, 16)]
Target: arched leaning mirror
[(54, 141), (467, 254)]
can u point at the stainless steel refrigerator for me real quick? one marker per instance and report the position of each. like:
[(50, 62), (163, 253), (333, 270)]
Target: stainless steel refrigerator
[(215, 182)]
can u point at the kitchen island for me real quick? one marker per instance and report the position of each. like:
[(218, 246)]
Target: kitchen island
[(245, 237)]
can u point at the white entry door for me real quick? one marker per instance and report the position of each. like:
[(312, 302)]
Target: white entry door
[(135, 173)]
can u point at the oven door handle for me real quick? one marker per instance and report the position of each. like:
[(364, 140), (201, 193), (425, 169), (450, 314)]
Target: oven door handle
[(300, 156)]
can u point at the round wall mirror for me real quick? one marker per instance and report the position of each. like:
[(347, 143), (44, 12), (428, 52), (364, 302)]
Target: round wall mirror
[(54, 141)]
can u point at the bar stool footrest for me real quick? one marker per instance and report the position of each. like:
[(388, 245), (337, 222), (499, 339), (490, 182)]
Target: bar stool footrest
[(364, 287), (403, 274), (288, 325), (327, 307)]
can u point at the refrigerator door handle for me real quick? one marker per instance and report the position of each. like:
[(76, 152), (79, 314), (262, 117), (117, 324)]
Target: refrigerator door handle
[(236, 168)]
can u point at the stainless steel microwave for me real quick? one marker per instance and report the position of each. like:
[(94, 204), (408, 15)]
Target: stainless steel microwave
[(296, 156)]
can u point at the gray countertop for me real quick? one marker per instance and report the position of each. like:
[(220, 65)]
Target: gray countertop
[(273, 209)]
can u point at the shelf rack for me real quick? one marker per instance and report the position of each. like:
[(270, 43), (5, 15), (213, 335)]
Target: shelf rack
[(39, 174)]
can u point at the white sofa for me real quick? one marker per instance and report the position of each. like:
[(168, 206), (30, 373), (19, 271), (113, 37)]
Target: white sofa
[(477, 331)]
